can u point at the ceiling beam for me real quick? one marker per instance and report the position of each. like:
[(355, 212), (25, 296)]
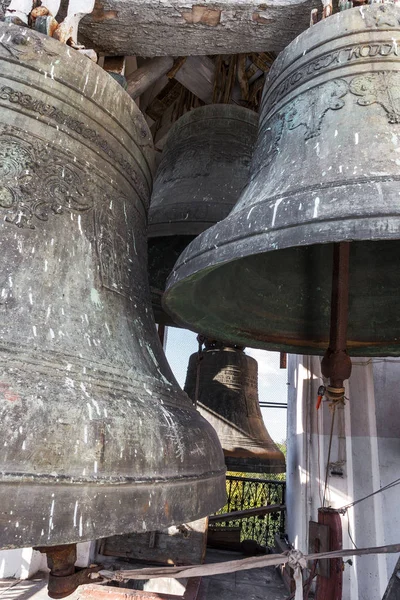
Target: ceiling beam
[(183, 27)]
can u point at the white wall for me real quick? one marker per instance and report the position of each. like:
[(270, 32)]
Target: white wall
[(24, 563), (366, 447)]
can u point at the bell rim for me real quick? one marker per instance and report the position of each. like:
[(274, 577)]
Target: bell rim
[(58, 506), (193, 267)]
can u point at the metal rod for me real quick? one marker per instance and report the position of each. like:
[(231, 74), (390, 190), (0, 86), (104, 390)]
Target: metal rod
[(329, 454), (246, 513), (340, 297), (161, 333), (336, 364)]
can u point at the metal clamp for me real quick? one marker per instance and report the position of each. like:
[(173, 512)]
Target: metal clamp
[(63, 586)]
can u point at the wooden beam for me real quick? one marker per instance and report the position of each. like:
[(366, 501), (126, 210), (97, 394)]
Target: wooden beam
[(331, 588), (197, 75), (141, 79), (160, 128), (183, 28), (99, 592)]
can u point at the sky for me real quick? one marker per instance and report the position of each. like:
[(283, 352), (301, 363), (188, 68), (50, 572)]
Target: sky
[(272, 381)]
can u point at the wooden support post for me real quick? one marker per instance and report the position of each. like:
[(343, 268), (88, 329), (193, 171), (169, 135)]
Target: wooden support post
[(139, 81), (99, 592), (330, 588), (197, 75), (114, 64)]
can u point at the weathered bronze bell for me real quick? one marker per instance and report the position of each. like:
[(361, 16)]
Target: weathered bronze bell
[(204, 167), (96, 436), (223, 382), (326, 169)]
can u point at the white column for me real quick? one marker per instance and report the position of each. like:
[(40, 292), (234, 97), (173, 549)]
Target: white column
[(365, 455)]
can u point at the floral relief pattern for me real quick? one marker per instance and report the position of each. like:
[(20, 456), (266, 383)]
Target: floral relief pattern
[(310, 108), (384, 15), (307, 111), (37, 181), (379, 88)]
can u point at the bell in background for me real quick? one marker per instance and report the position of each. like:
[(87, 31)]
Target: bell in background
[(326, 170), (96, 436), (204, 167), (223, 383)]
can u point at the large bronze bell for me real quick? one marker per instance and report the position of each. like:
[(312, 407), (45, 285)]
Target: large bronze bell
[(96, 436), (223, 381), (204, 167), (326, 170)]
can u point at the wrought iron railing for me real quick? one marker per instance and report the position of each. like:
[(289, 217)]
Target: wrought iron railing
[(244, 493)]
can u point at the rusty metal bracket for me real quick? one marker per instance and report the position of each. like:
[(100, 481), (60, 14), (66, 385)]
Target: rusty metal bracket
[(64, 577), (61, 587)]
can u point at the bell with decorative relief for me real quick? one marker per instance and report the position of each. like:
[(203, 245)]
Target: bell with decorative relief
[(326, 171), (96, 436), (204, 167)]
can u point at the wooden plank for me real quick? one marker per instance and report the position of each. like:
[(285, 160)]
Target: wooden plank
[(249, 512), (99, 592), (141, 79), (393, 588), (197, 75), (224, 538), (184, 28), (164, 100), (330, 588), (319, 537), (160, 128), (285, 570)]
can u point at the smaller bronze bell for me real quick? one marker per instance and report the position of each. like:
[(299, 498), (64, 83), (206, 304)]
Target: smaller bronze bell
[(223, 382)]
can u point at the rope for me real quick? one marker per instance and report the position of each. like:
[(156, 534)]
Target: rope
[(345, 508), (199, 359), (295, 558), (335, 396), (297, 562), (329, 454), (319, 460)]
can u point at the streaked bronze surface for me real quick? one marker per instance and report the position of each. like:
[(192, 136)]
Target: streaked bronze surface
[(96, 436), (204, 167), (224, 381), (325, 170)]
